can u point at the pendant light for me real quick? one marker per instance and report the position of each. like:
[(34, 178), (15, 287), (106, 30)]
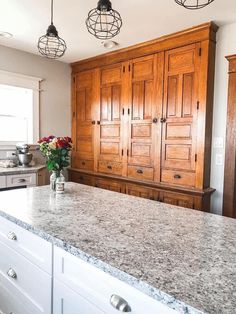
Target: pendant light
[(51, 45), (103, 22), (194, 4)]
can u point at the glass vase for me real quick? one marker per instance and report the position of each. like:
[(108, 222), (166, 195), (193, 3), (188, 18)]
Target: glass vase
[(57, 181)]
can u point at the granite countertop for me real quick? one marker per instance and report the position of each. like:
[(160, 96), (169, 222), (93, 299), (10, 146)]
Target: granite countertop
[(20, 170), (169, 253)]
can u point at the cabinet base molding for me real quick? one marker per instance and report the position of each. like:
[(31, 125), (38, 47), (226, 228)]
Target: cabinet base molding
[(179, 196)]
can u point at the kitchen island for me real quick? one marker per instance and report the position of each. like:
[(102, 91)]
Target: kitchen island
[(184, 258)]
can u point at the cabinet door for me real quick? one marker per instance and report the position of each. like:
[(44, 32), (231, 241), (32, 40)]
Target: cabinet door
[(110, 135), (176, 199), (145, 100), (140, 191), (83, 115), (180, 108), (66, 301), (110, 185)]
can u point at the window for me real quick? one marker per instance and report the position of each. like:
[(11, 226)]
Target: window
[(19, 109)]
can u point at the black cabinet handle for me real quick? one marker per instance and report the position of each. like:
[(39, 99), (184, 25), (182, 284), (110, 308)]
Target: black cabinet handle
[(155, 120), (140, 171), (93, 122), (109, 167), (177, 176), (163, 120), (98, 122), (83, 163)]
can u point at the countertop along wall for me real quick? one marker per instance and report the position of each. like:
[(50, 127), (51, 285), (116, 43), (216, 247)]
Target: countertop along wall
[(226, 45), (55, 101)]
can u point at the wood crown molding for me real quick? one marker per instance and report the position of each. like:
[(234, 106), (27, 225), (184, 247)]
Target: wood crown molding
[(206, 31), (232, 63)]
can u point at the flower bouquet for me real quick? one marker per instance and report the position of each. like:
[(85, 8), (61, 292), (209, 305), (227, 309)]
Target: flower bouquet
[(57, 153)]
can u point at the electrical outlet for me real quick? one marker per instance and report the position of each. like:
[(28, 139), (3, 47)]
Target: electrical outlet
[(10, 154), (218, 142), (219, 159)]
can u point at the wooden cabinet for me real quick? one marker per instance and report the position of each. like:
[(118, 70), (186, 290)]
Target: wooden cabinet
[(83, 112), (229, 200), (145, 114), (110, 147)]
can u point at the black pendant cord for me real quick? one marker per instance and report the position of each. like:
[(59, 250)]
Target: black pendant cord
[(51, 11)]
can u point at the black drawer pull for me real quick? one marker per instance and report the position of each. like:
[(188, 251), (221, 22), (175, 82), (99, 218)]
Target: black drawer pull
[(109, 167), (93, 122), (177, 176), (83, 163), (140, 171)]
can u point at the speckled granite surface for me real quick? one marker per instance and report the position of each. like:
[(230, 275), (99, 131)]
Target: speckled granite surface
[(20, 170), (170, 253)]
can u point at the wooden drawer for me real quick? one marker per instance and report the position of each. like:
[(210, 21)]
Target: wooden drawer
[(12, 300), (33, 283), (110, 167), (140, 191), (34, 248), (81, 178), (97, 286), (178, 178), (140, 173), (21, 180), (83, 164), (110, 185), (176, 199), (66, 301)]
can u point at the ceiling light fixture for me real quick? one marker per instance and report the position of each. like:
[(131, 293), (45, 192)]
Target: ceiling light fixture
[(103, 22), (109, 44), (194, 4), (5, 34), (51, 45)]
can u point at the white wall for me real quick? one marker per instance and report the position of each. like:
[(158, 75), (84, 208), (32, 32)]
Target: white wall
[(55, 98), (226, 45)]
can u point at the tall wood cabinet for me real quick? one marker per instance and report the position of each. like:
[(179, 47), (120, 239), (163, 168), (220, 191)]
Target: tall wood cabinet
[(142, 119)]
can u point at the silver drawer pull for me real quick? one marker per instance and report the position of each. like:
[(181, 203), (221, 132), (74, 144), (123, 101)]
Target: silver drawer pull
[(12, 236), (21, 180), (11, 273), (120, 304)]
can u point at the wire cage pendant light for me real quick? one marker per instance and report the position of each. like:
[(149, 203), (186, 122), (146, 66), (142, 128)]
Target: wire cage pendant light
[(103, 22), (194, 4), (51, 45)]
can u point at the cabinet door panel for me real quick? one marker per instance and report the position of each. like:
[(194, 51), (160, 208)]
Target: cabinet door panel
[(140, 191), (176, 199), (110, 135), (66, 301), (83, 116), (180, 108), (145, 105)]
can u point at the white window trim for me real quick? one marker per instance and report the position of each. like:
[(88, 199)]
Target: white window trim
[(24, 81)]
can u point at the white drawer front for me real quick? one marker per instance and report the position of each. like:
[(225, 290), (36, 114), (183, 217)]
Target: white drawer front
[(34, 248), (13, 301), (3, 182), (66, 301), (30, 280), (98, 287), (21, 180)]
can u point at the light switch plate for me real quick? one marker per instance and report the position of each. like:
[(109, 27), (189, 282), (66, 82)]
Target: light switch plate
[(218, 142)]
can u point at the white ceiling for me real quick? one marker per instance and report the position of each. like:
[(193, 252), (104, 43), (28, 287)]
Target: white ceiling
[(143, 20)]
